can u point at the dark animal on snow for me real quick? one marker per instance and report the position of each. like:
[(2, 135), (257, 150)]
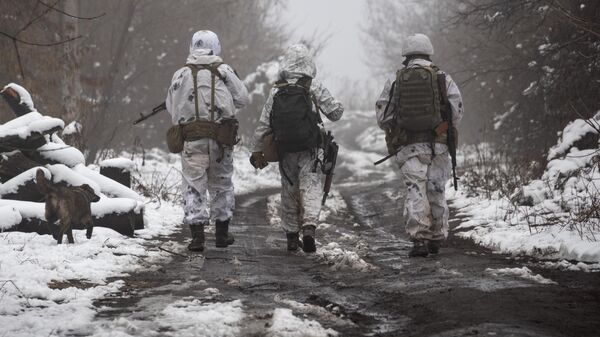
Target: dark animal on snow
[(69, 205)]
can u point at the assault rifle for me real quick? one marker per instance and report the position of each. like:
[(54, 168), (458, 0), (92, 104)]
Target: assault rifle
[(157, 109), (331, 151), (451, 133)]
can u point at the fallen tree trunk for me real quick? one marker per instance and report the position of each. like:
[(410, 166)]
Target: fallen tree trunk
[(14, 163), (14, 101)]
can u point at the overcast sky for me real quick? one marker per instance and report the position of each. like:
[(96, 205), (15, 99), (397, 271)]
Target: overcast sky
[(342, 21)]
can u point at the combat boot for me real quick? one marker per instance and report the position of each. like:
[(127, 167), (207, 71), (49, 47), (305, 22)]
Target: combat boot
[(308, 239), (222, 236), (197, 244), (293, 241), (419, 249)]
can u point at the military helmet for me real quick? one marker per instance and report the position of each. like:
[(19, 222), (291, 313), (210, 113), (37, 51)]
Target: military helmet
[(417, 44)]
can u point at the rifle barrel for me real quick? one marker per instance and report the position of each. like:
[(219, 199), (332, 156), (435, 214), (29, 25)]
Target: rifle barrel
[(155, 110)]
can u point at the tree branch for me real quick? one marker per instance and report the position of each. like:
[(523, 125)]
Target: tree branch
[(52, 7)]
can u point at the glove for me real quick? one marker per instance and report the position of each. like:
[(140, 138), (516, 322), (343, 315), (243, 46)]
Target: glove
[(441, 129), (257, 159)]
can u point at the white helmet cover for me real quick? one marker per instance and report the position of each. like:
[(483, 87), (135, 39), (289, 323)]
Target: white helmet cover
[(298, 60), (205, 39), (418, 44)]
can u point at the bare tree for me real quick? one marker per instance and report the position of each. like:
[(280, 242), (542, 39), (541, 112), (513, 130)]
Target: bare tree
[(35, 36), (133, 52), (520, 64)]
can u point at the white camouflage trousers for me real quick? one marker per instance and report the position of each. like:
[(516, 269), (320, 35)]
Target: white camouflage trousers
[(300, 200), (207, 184), (425, 177)]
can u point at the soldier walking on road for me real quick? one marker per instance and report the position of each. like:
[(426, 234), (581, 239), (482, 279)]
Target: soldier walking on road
[(202, 100), (291, 116), (416, 110)]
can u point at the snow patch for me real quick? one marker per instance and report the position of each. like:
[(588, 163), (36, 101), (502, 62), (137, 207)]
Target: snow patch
[(58, 152), (122, 163), (107, 185), (194, 318), (72, 128), (33, 122), (285, 324), (23, 95), (341, 259), (9, 217), (523, 272), (13, 185)]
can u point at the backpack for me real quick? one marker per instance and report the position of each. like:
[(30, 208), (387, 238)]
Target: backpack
[(294, 123), (418, 97)]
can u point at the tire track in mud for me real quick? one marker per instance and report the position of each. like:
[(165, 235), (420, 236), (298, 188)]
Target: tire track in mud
[(447, 295), (454, 294)]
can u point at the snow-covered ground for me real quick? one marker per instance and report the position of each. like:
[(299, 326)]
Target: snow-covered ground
[(551, 217), (48, 289)]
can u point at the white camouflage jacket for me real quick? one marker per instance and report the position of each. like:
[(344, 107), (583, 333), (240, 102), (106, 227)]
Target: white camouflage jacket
[(297, 62), (230, 94)]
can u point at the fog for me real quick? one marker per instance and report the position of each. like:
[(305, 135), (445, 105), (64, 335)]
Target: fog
[(339, 23)]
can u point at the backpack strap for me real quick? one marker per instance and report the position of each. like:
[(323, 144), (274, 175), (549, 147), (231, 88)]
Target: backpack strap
[(281, 83), (195, 79), (304, 82), (214, 71), (391, 95)]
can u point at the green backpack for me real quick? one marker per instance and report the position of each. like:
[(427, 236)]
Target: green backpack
[(417, 94)]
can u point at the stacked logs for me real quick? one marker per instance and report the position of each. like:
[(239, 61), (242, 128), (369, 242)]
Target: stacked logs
[(32, 141)]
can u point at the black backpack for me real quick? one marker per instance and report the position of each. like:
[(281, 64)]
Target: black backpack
[(294, 123)]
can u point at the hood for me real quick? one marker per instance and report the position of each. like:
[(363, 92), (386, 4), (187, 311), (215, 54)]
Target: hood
[(297, 61), (202, 56), (207, 41)]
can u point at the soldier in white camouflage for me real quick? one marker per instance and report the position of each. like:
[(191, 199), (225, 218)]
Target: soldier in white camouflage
[(301, 178), (422, 156), (207, 166)]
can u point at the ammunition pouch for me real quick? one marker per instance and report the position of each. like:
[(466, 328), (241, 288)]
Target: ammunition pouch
[(199, 129), (224, 133), (396, 137), (227, 132), (175, 138)]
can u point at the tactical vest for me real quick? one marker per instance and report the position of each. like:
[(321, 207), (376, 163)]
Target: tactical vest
[(294, 123)]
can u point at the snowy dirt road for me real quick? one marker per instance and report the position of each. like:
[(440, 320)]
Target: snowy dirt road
[(360, 283)]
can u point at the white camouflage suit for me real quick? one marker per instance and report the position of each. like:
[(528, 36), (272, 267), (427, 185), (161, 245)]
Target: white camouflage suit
[(425, 175), (200, 170), (301, 200)]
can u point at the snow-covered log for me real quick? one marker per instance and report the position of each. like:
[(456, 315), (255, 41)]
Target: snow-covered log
[(18, 99), (29, 142), (117, 214), (117, 169), (27, 132), (23, 187), (14, 163)]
